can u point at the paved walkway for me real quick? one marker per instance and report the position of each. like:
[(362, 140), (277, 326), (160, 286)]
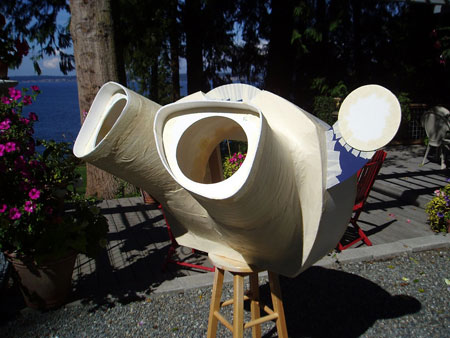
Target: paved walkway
[(138, 241)]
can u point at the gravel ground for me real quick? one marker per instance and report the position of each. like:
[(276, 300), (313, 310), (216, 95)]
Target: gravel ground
[(407, 296)]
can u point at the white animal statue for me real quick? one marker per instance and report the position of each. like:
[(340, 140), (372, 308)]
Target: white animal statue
[(289, 203)]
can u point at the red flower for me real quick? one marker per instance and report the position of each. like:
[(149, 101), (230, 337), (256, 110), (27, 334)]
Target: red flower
[(15, 94), (32, 116), (10, 147), (26, 100), (14, 213), (6, 100), (34, 194)]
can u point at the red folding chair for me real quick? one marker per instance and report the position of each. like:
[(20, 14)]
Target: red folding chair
[(172, 249), (366, 177)]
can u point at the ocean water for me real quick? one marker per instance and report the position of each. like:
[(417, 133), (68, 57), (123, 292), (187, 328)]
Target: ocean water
[(57, 105)]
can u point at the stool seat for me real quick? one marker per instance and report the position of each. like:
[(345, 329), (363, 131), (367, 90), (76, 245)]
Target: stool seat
[(240, 270), (231, 265)]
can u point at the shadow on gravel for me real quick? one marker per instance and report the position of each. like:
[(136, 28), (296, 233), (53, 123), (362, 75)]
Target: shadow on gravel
[(322, 302)]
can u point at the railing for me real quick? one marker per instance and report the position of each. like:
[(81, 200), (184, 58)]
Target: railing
[(415, 129)]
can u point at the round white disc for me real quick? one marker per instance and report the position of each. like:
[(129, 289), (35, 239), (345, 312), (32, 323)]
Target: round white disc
[(369, 117)]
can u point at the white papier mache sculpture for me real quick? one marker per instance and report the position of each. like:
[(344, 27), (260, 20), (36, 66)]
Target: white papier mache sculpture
[(291, 200)]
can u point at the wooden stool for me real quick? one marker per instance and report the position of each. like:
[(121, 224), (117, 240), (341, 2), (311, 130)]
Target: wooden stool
[(239, 270)]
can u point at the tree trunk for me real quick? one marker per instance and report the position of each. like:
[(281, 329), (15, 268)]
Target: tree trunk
[(92, 33), (281, 54), (194, 51), (357, 47), (154, 83), (174, 50)]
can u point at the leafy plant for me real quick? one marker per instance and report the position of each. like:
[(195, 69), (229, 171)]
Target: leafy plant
[(41, 215), (11, 50), (438, 210), (405, 103), (328, 101), (232, 164)]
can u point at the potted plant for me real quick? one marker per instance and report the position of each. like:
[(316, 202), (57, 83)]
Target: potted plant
[(44, 223), (438, 210)]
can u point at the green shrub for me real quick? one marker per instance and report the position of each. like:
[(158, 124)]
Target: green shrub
[(438, 210)]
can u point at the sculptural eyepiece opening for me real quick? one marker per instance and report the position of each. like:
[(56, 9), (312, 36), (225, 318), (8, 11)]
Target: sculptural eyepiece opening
[(197, 155), (117, 104)]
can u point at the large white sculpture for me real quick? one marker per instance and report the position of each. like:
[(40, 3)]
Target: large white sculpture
[(289, 203)]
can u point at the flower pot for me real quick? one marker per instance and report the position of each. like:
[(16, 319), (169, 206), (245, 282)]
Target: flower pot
[(46, 285)]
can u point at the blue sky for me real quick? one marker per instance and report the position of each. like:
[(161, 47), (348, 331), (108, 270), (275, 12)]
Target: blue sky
[(49, 64)]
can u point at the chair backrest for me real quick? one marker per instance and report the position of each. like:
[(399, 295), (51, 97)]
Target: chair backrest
[(436, 124), (366, 177)]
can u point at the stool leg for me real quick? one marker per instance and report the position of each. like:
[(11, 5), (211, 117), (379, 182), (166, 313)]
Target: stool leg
[(277, 301), (238, 306), (215, 302), (254, 305)]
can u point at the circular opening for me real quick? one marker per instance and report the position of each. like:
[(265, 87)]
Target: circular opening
[(199, 152)]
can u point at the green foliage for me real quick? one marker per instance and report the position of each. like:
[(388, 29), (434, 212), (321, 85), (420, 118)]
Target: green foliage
[(405, 103), (41, 215), (33, 22), (324, 107), (125, 189), (232, 164), (327, 103), (438, 210)]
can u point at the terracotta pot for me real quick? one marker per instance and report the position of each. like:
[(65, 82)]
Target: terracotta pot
[(47, 285)]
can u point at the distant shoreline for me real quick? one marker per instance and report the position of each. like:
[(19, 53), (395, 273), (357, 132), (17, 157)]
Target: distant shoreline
[(44, 78)]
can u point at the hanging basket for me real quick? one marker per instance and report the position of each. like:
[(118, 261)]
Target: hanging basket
[(47, 285)]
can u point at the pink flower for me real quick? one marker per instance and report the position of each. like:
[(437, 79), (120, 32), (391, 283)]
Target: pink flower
[(10, 147), (2, 149), (4, 125), (29, 206), (6, 100), (15, 93), (35, 88), (26, 100), (14, 213), (34, 194), (437, 192), (33, 117), (24, 120), (3, 208)]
